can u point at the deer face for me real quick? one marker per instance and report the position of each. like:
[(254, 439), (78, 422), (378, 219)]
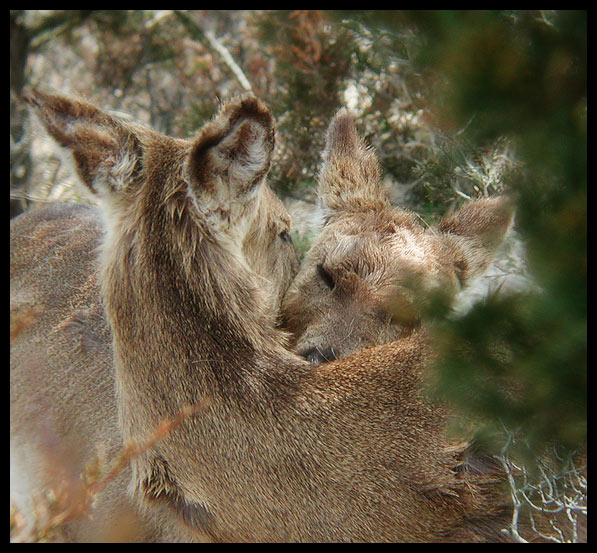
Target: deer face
[(375, 271)]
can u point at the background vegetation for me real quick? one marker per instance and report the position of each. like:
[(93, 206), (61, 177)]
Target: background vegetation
[(457, 104)]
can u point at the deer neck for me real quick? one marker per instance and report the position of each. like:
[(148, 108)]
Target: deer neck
[(186, 317)]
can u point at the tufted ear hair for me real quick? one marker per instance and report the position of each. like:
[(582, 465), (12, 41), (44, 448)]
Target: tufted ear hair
[(232, 154), (107, 152), (350, 176)]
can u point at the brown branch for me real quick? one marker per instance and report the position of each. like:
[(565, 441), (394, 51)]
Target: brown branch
[(77, 506)]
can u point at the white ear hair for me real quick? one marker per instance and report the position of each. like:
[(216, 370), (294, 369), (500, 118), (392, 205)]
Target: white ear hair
[(234, 150), (107, 151)]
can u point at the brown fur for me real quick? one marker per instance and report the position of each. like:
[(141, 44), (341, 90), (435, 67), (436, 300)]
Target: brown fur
[(347, 451), (63, 404), (376, 270)]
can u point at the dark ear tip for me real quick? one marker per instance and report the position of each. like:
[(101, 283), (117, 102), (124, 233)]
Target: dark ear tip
[(342, 116), (341, 123), (248, 106), (32, 96), (342, 136), (251, 103), (28, 95)]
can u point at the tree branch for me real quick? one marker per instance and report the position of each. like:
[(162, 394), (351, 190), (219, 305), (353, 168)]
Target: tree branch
[(198, 33)]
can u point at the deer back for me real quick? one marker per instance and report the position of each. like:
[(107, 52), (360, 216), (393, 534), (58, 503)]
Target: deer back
[(272, 447)]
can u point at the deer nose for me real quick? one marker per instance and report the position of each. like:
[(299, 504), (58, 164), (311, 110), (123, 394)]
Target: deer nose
[(317, 355)]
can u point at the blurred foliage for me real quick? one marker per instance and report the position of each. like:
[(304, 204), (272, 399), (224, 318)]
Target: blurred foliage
[(520, 361), (456, 104)]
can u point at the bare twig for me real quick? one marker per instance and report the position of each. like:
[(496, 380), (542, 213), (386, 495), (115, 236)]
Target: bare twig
[(553, 494), (67, 506), (516, 503), (204, 35)]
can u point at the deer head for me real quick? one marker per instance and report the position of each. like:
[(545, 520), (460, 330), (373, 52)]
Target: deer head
[(375, 271)]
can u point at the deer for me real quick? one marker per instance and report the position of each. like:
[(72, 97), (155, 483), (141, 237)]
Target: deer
[(63, 402), (376, 274), (375, 271), (282, 449)]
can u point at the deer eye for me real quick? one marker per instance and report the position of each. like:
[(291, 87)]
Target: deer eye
[(285, 235), (326, 277)]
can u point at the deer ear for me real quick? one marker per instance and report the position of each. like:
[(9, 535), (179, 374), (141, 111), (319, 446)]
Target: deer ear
[(350, 176), (107, 154), (478, 228), (232, 155)]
